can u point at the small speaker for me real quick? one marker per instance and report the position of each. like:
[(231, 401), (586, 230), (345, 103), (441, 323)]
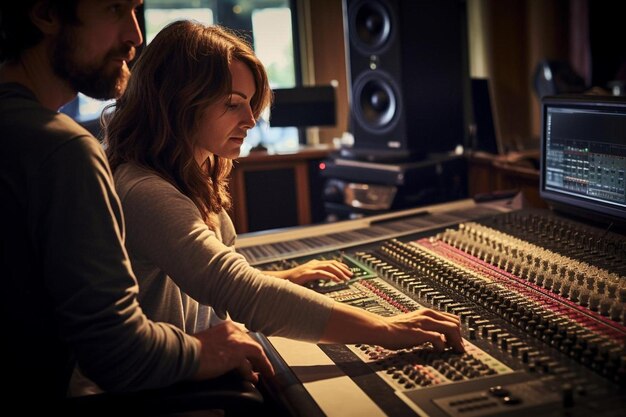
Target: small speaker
[(304, 106), (408, 77)]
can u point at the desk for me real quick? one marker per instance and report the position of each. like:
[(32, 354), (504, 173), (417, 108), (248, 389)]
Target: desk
[(277, 190), (489, 173)]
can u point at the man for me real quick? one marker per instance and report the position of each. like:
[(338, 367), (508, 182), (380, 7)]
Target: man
[(69, 294)]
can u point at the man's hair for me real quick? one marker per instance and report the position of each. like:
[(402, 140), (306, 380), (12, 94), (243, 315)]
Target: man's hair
[(17, 31), (178, 75)]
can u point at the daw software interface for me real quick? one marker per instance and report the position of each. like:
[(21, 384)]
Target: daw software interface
[(584, 153)]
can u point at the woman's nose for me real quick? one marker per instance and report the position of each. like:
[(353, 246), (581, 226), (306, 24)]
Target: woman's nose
[(249, 121)]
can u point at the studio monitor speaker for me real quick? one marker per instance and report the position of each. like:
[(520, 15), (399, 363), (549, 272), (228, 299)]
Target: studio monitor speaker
[(408, 77)]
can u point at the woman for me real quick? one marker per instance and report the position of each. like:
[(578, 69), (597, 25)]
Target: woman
[(171, 139)]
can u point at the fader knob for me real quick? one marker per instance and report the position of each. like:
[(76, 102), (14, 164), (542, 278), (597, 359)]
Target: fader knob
[(616, 311), (548, 282), (567, 392), (583, 299), (511, 400), (515, 347), (590, 282), (598, 363), (605, 306), (612, 288), (493, 334), (566, 345), (586, 356), (499, 391)]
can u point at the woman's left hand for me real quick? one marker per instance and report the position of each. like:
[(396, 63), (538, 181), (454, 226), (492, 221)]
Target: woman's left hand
[(313, 270)]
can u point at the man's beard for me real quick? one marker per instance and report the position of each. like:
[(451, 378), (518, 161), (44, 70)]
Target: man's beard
[(91, 79)]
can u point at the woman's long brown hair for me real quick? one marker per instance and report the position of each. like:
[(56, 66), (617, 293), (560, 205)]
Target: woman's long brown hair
[(181, 72)]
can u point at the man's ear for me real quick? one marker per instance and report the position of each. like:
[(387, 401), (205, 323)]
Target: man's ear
[(45, 18)]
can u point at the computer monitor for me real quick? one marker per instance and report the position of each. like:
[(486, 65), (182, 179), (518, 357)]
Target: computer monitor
[(583, 155), (304, 106)]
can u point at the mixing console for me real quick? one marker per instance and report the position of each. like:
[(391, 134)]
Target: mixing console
[(542, 302)]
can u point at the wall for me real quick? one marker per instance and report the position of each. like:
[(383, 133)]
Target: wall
[(323, 60), (507, 39)]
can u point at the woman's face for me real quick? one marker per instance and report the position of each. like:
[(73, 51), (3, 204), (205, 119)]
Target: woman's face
[(224, 125)]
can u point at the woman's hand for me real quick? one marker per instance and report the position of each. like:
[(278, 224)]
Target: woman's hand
[(441, 329), (350, 324), (315, 269)]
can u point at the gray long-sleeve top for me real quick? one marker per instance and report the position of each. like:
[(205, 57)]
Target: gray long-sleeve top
[(180, 262), (68, 288)]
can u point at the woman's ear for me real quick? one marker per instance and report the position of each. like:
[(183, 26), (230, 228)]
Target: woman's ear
[(45, 18)]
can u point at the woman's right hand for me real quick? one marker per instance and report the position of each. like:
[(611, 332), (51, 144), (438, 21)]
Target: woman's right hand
[(348, 324), (441, 329)]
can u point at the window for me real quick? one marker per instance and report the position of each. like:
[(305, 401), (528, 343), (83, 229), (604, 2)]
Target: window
[(267, 24)]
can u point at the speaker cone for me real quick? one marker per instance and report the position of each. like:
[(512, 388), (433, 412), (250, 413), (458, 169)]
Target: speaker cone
[(370, 24), (376, 102)]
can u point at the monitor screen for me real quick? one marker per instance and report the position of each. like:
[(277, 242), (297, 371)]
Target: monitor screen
[(583, 158)]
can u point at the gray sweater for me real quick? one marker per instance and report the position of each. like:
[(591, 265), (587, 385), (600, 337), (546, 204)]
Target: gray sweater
[(68, 289), (182, 265)]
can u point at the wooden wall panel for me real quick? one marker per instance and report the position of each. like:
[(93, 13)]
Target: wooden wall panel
[(328, 54)]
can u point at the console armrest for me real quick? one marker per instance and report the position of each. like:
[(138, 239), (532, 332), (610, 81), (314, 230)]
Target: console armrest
[(229, 393)]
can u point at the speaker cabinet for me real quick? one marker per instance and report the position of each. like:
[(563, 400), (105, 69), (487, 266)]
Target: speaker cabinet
[(408, 77)]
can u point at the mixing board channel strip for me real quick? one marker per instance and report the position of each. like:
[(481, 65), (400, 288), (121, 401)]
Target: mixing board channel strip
[(585, 243), (588, 345), (490, 324), (551, 300), (534, 356)]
